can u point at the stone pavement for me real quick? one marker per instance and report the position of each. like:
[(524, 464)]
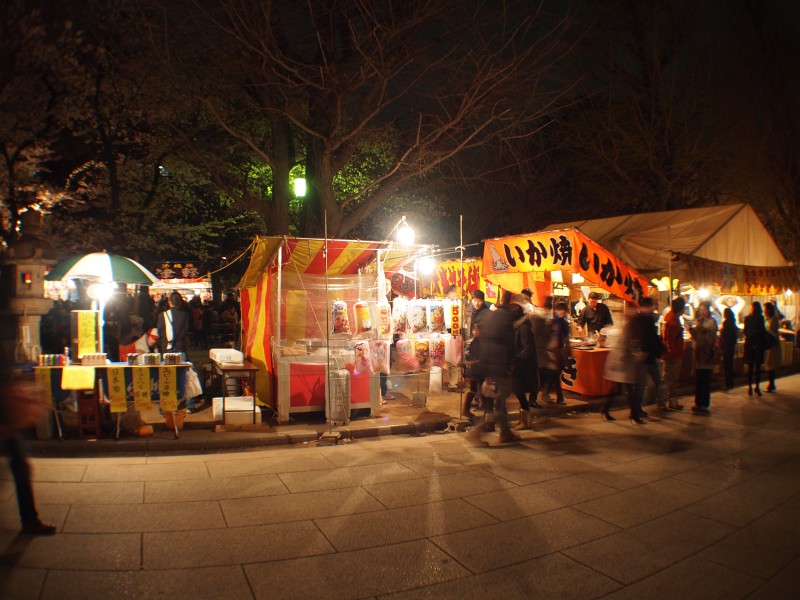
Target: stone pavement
[(683, 507)]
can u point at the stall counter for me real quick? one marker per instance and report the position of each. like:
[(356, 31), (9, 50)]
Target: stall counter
[(583, 373)]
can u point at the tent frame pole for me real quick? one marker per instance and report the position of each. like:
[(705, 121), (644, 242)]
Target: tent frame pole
[(461, 310), (276, 346), (669, 261), (328, 411)]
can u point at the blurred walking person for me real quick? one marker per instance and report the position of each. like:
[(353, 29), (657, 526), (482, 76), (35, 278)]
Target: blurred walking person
[(19, 410), (620, 365), (646, 348), (558, 350), (496, 360), (526, 366), (540, 326)]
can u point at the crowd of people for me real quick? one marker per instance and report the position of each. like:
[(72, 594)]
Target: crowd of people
[(131, 318), (518, 348)]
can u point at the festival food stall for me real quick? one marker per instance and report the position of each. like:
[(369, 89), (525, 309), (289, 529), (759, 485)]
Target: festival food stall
[(318, 324), (536, 260), (185, 277), (723, 253)]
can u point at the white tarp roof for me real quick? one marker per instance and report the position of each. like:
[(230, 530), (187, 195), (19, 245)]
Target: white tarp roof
[(731, 234)]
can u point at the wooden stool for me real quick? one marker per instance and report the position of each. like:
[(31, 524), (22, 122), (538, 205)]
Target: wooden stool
[(88, 415)]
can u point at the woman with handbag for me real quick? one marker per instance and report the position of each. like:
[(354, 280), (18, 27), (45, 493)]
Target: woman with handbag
[(772, 356), (755, 334), (706, 356)]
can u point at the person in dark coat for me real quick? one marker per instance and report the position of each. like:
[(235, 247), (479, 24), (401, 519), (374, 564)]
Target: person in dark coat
[(479, 306), (497, 365), (558, 350), (705, 357), (728, 337), (173, 326), (472, 372), (646, 347), (526, 365), (755, 332), (595, 315), (540, 325), (772, 351), (18, 411)]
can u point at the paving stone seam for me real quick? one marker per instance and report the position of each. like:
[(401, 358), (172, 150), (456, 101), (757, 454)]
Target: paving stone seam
[(249, 583), (669, 566), (590, 567)]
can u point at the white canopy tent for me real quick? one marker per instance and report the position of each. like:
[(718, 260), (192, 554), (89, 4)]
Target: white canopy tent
[(730, 234)]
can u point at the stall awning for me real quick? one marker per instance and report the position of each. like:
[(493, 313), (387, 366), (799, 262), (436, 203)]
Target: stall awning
[(740, 279), (730, 233), (507, 260), (345, 257)]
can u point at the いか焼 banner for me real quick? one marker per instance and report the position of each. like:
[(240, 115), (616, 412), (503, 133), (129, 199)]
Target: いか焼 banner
[(567, 250)]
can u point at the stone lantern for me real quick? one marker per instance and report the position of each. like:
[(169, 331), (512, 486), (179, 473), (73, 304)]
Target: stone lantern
[(27, 259)]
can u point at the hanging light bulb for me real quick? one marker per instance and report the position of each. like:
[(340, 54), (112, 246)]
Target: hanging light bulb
[(405, 235), (426, 265)]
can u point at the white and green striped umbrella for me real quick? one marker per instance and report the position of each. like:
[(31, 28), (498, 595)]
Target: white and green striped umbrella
[(101, 267)]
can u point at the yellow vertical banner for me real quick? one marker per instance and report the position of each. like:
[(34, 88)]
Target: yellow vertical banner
[(141, 388), (43, 384), (116, 389), (167, 388), (87, 332)]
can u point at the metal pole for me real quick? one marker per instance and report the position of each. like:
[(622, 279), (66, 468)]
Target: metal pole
[(276, 345), (327, 328), (461, 308), (669, 261)]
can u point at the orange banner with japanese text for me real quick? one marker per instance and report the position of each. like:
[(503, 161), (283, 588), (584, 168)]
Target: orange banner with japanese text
[(563, 250), (449, 273)]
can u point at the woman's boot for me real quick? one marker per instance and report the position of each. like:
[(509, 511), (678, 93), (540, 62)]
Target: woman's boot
[(468, 405), (524, 420)]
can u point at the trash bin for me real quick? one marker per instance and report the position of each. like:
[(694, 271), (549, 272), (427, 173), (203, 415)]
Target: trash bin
[(337, 410)]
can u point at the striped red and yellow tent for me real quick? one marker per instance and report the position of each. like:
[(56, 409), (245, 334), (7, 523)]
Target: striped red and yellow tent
[(286, 273)]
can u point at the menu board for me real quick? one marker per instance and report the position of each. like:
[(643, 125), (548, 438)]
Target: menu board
[(117, 393), (84, 332), (167, 388)]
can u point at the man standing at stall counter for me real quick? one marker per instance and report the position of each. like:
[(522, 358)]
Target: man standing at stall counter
[(595, 316)]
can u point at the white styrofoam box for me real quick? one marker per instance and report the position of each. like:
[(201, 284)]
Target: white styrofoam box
[(226, 355), (238, 410), (241, 417)]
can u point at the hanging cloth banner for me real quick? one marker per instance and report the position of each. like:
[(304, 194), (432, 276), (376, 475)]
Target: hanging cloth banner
[(568, 250), (117, 393), (141, 388), (167, 389), (449, 273), (44, 385), (739, 279)]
